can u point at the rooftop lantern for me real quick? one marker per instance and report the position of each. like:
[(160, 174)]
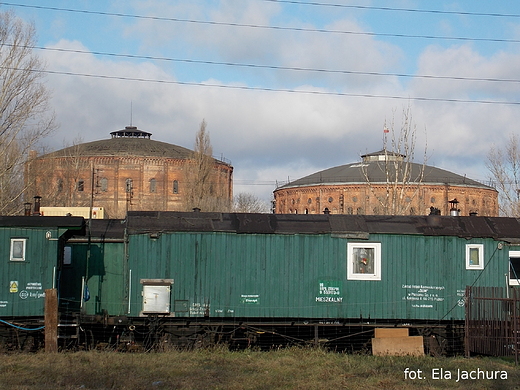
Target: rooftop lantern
[(130, 132), (454, 211)]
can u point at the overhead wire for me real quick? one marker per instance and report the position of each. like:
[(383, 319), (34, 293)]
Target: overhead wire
[(393, 9), (261, 26), (274, 67), (283, 90), (314, 92)]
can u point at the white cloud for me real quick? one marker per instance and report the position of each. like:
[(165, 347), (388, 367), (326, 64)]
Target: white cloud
[(269, 136)]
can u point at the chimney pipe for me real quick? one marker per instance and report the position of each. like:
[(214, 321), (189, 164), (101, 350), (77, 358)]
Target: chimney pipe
[(27, 209), (37, 200)]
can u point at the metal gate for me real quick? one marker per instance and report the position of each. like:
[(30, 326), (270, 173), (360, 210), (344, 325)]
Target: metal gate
[(492, 321)]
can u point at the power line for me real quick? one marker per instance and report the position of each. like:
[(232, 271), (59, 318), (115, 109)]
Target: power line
[(395, 9), (265, 89), (258, 26), (276, 67)]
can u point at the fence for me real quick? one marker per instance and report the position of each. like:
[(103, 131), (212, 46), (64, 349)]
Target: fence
[(492, 322)]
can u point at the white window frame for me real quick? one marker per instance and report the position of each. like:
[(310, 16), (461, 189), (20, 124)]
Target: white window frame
[(12, 254), (513, 282), (376, 274), (480, 248)]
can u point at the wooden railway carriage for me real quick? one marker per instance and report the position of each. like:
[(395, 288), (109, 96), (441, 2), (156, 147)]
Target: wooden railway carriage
[(157, 278), (31, 253), (31, 250), (293, 276)]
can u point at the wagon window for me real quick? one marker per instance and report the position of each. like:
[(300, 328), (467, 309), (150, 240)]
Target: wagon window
[(364, 261), (514, 268), (67, 255), (474, 256), (17, 252)]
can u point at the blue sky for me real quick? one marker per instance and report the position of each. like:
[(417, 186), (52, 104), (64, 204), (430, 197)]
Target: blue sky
[(349, 67)]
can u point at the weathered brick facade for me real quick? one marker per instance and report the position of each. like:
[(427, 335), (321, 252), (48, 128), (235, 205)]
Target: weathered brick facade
[(125, 173), (360, 188)]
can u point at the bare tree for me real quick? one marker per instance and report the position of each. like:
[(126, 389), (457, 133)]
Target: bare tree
[(249, 203), (205, 187), (504, 166), (25, 117), (397, 192)]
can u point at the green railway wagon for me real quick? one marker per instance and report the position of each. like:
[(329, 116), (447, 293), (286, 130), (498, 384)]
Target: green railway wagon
[(31, 250), (308, 268)]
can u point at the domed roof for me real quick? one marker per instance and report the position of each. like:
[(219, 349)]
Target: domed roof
[(127, 142), (373, 170)]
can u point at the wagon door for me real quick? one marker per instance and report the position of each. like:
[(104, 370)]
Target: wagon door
[(156, 296)]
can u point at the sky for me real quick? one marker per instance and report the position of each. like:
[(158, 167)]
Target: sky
[(287, 88)]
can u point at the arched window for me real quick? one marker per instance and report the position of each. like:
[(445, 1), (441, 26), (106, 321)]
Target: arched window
[(129, 185), (175, 187), (103, 184), (153, 185), (60, 185), (80, 186)]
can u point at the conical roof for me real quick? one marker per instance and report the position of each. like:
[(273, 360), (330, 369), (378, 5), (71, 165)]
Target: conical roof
[(374, 169), (127, 142)]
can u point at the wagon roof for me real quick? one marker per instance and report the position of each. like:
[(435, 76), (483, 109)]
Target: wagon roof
[(507, 229), (41, 221)]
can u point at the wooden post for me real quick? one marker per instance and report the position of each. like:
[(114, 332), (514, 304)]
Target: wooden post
[(51, 320)]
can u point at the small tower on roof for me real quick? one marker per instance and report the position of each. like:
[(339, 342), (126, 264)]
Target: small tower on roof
[(383, 155), (130, 132)]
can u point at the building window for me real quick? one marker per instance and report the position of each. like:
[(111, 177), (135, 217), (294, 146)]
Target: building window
[(129, 185), (153, 185), (474, 256), (514, 268), (17, 252), (103, 184), (364, 261), (60, 185), (175, 187), (80, 186)]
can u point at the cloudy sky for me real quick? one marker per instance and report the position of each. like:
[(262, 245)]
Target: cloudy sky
[(286, 87)]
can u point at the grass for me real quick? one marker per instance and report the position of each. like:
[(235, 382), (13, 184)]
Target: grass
[(294, 368)]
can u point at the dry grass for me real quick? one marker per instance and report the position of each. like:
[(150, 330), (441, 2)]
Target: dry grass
[(295, 368)]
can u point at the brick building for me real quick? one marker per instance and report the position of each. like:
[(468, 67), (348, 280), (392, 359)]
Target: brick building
[(129, 171), (365, 187)]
